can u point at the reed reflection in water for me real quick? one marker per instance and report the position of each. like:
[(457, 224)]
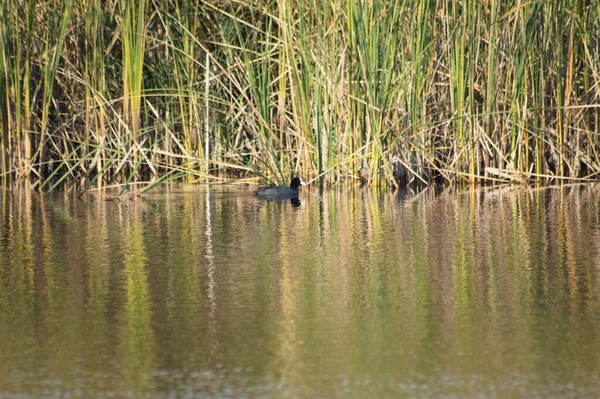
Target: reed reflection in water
[(204, 292)]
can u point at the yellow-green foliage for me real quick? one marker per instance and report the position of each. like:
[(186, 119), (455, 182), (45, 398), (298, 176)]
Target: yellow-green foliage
[(383, 92)]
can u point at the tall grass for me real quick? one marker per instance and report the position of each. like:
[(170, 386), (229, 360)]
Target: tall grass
[(384, 93)]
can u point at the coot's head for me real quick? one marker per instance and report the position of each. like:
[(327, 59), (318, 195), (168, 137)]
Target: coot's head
[(296, 182)]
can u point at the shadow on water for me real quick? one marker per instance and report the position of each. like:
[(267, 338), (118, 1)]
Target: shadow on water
[(211, 292)]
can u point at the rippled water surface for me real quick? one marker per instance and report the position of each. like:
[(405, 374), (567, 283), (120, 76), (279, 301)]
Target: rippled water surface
[(209, 292)]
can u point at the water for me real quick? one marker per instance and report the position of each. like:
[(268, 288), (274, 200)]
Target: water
[(197, 292)]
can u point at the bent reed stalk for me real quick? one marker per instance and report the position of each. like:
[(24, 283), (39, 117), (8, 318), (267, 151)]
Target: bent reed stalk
[(384, 93)]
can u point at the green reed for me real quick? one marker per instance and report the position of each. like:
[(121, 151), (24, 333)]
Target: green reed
[(384, 93)]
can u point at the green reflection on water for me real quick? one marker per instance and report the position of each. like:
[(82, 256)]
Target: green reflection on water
[(211, 292), (137, 340)]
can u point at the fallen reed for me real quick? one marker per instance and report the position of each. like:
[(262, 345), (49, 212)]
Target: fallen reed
[(384, 93)]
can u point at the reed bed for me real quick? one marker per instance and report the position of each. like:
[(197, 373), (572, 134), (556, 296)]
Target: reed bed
[(104, 92)]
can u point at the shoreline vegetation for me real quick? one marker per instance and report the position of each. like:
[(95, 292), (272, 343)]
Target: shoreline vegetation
[(411, 92)]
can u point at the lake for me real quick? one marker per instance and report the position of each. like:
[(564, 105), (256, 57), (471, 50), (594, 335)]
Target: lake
[(209, 292)]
